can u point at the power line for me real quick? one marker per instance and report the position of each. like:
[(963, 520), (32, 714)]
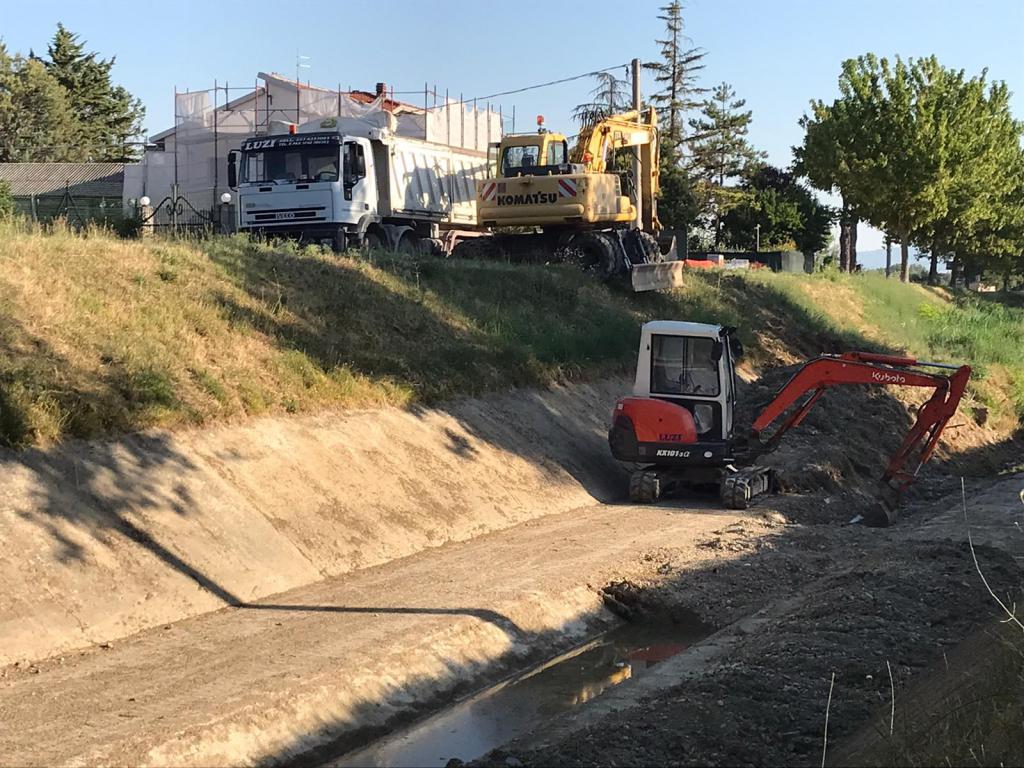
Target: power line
[(535, 87)]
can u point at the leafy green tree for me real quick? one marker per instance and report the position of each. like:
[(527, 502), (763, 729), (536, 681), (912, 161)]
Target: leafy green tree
[(677, 206), (837, 147), (909, 170), (677, 74), (36, 122), (109, 118), (6, 201), (922, 153), (995, 244), (978, 141), (721, 153), (779, 212)]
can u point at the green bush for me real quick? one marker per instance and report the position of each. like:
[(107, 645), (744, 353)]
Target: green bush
[(128, 226), (6, 201)]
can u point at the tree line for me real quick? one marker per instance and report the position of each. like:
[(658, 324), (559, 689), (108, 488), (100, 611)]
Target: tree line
[(926, 154), (64, 107)]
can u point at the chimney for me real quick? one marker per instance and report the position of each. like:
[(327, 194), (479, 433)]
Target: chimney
[(382, 89)]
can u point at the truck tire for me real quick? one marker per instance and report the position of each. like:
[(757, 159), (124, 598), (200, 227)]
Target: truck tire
[(408, 245), (651, 250), (339, 242), (372, 241), (598, 254)]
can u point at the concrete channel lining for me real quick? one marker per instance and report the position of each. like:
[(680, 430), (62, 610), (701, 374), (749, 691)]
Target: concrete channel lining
[(104, 539)]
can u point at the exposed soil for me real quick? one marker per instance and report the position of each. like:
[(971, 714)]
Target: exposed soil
[(851, 601)]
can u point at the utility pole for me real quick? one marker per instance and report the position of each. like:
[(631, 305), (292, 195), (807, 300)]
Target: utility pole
[(637, 183)]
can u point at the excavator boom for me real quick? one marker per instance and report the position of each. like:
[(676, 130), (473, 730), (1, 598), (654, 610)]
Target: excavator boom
[(629, 129), (818, 375)]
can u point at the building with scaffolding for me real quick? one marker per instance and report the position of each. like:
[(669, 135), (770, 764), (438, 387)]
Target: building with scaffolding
[(184, 169)]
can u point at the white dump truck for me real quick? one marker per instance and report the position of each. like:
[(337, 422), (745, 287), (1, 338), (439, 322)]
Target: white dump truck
[(355, 181)]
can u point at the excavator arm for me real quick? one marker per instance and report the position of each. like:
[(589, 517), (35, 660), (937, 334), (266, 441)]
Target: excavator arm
[(628, 129), (820, 374)]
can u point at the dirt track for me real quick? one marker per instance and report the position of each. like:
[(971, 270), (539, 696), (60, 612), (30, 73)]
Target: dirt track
[(243, 684)]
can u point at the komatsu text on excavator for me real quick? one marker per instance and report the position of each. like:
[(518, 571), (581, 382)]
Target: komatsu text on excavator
[(678, 426)]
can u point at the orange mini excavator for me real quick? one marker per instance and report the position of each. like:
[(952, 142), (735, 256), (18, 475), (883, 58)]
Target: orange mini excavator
[(678, 427)]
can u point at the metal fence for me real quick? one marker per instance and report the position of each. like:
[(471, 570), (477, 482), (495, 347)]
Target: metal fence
[(177, 214), (77, 211)]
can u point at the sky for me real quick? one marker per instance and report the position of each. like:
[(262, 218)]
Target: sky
[(777, 55)]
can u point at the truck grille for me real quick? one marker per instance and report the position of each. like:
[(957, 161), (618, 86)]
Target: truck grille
[(286, 215)]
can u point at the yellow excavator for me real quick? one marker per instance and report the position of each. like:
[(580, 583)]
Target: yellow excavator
[(543, 199)]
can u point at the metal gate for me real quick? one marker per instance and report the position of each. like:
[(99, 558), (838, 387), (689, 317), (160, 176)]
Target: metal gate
[(178, 215)]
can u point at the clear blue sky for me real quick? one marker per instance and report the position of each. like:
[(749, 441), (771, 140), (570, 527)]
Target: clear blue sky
[(777, 55)]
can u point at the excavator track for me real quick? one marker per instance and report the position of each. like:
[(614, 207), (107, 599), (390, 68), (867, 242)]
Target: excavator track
[(644, 486), (739, 489)]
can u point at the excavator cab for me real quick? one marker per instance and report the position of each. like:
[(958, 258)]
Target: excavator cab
[(535, 154), (684, 397)]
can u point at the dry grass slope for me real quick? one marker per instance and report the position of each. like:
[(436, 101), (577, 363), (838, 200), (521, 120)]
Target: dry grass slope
[(101, 335)]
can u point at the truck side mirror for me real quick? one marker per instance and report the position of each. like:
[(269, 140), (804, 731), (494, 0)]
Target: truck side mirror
[(716, 351), (233, 169)]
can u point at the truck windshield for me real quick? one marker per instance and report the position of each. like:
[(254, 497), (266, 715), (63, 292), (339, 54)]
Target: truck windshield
[(291, 165), (683, 365)]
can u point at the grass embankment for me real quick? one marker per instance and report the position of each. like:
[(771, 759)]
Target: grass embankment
[(983, 330), (101, 335)]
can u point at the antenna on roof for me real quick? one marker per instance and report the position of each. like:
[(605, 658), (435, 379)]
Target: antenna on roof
[(299, 58)]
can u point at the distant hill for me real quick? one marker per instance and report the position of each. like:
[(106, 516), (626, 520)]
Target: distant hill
[(876, 259)]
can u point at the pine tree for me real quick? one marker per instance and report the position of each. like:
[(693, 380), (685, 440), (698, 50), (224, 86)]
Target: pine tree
[(721, 153), (108, 118), (677, 74), (610, 96)]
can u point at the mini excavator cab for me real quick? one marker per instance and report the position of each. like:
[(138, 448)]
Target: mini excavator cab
[(686, 374)]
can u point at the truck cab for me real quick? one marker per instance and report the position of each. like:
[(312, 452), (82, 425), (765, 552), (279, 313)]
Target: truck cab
[(317, 185)]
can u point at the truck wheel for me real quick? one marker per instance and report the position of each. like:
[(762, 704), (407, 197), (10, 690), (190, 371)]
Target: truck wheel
[(649, 245), (339, 242), (408, 245), (598, 254), (372, 241)]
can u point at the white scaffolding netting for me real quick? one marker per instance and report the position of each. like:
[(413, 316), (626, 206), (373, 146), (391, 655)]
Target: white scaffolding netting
[(204, 134), (462, 125), (209, 124)]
